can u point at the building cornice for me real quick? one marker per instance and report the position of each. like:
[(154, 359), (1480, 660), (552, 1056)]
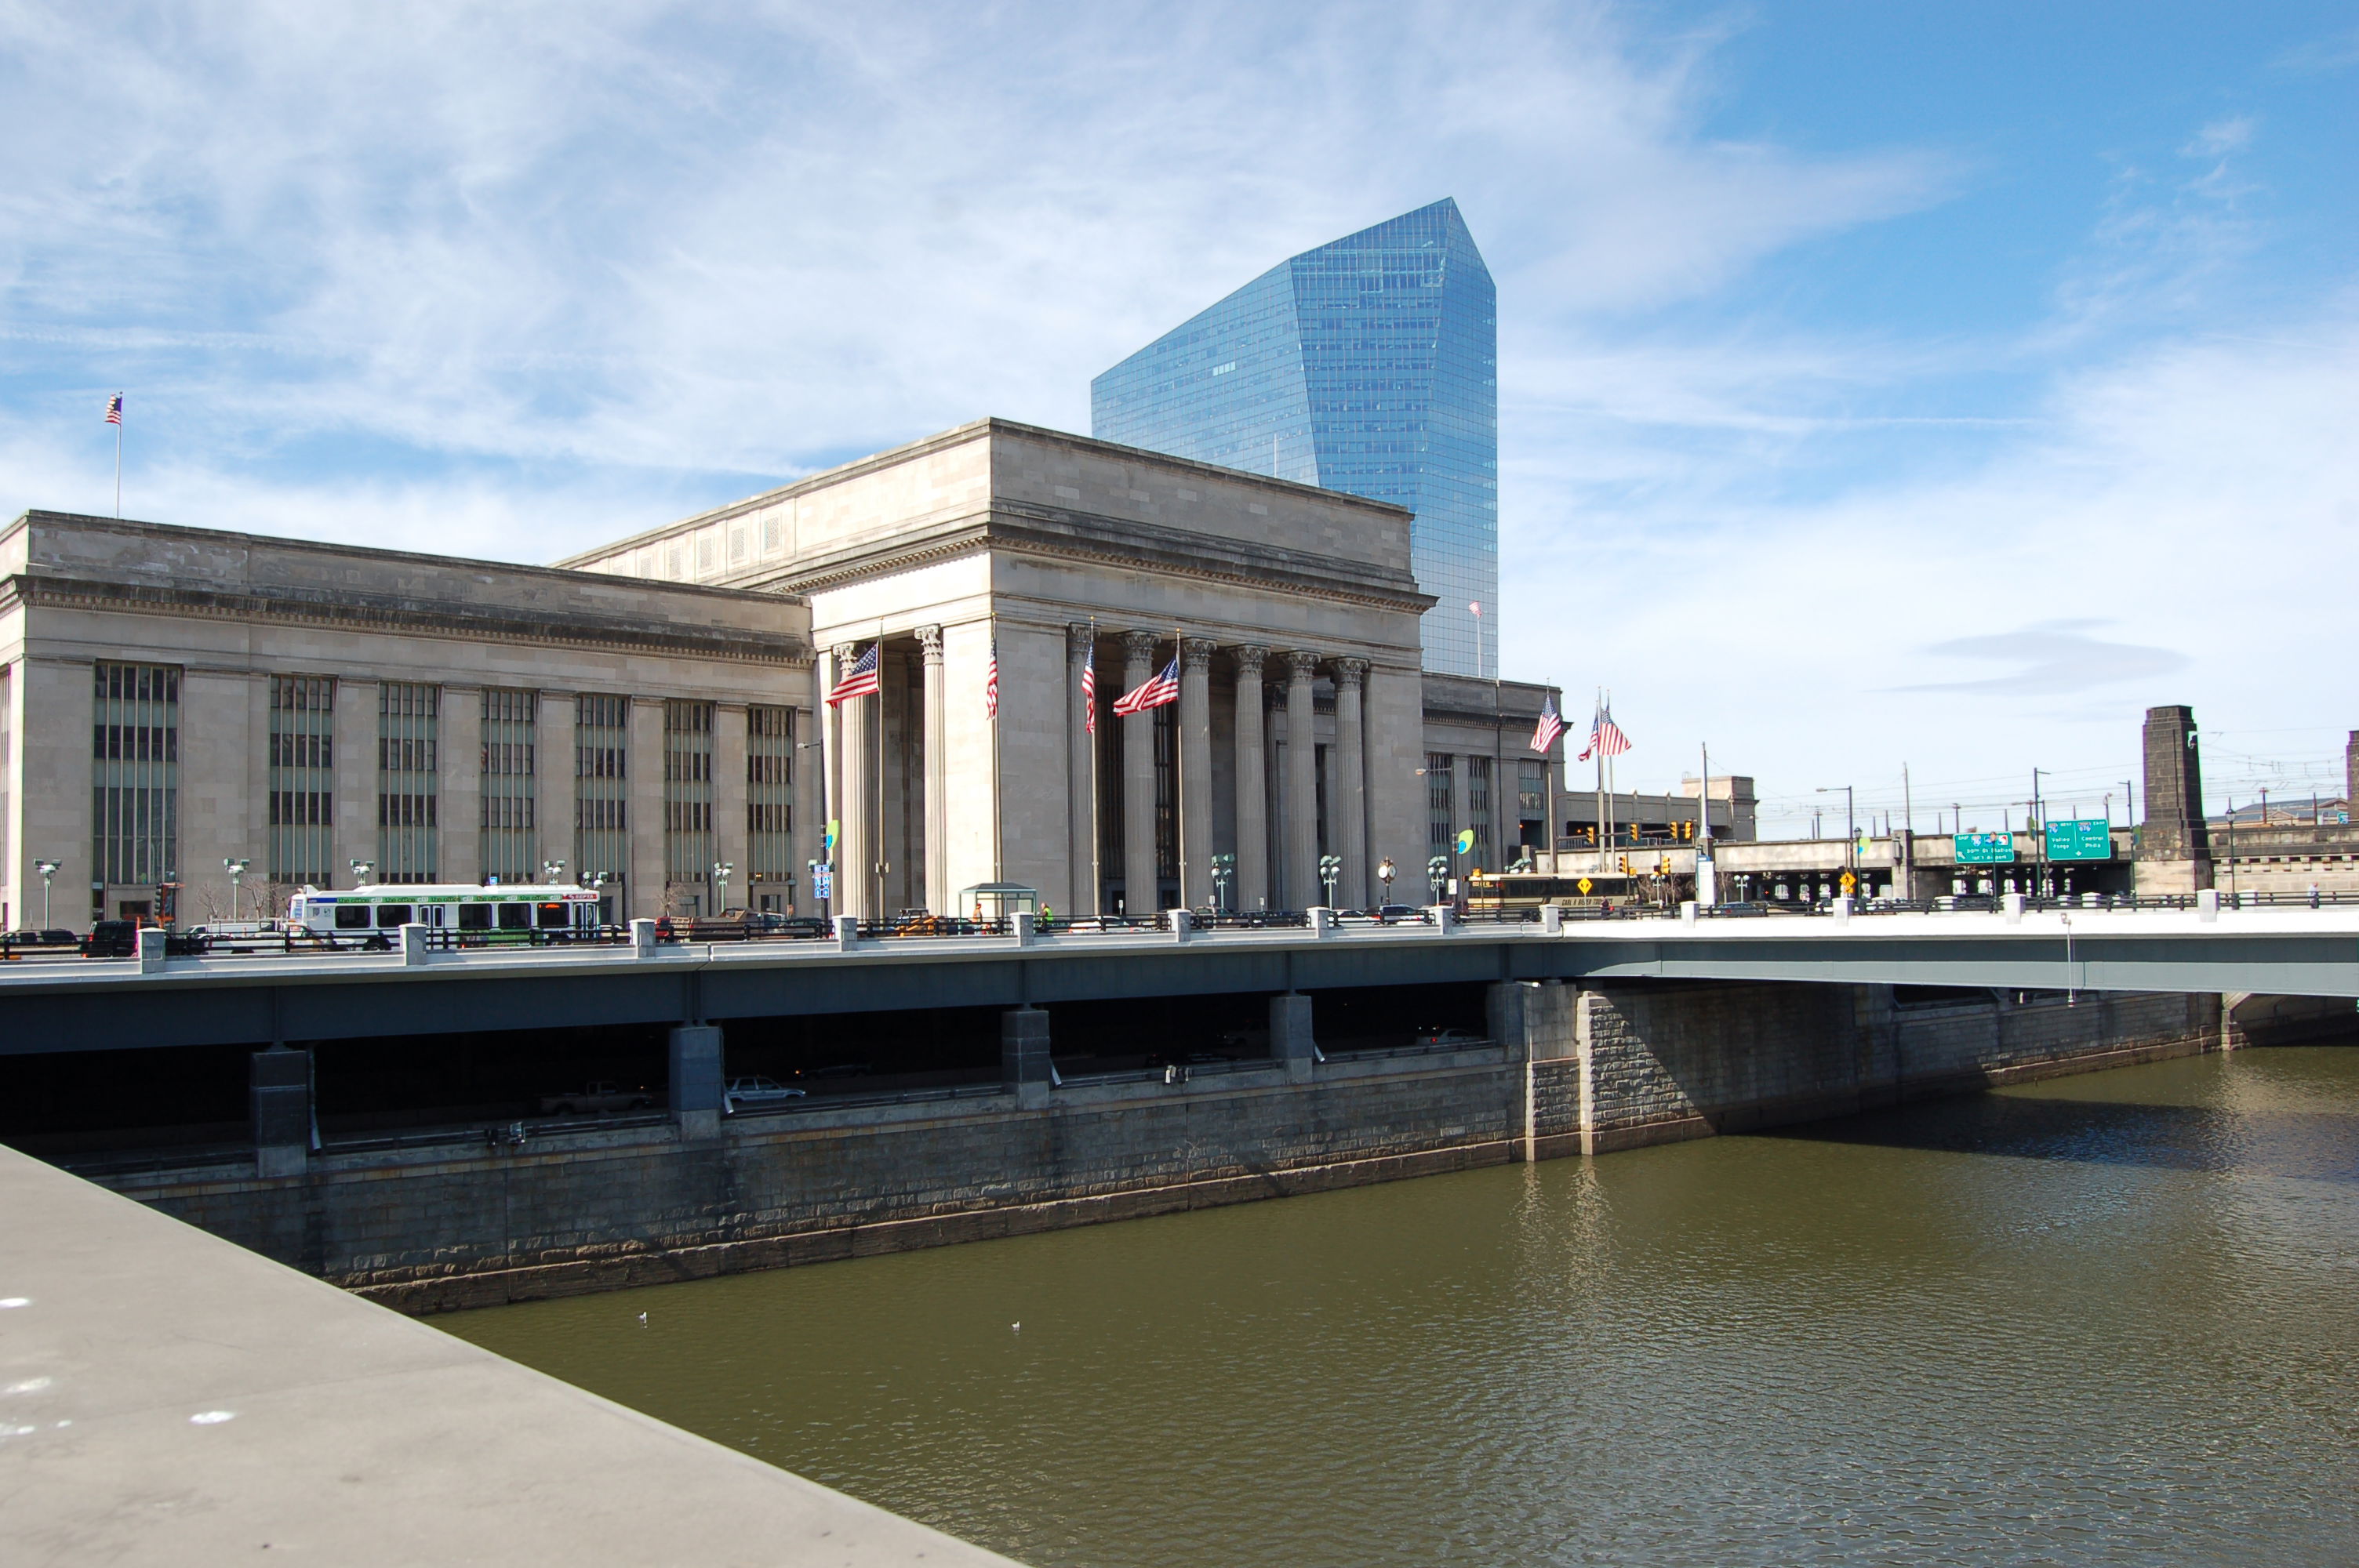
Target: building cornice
[(1085, 536), (402, 616)]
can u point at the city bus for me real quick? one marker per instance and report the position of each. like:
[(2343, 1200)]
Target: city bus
[(499, 912)]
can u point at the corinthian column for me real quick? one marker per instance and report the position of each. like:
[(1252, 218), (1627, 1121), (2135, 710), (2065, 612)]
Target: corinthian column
[(1195, 772), (937, 747), (1302, 886), (1081, 814), (1347, 807), (1253, 783), (1137, 780), (855, 851)]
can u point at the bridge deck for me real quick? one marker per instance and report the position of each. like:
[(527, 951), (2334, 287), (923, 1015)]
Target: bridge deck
[(66, 1005)]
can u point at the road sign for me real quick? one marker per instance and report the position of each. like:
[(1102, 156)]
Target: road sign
[(1848, 881), (2083, 838), (1583, 884), (822, 881), (1983, 848)]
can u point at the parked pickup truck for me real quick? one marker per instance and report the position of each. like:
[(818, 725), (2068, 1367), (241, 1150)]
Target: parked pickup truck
[(597, 1099)]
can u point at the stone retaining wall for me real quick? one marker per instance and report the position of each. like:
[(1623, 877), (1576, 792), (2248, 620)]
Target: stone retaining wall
[(1576, 1070)]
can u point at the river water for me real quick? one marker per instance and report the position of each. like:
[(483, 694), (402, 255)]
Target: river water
[(2104, 1319)]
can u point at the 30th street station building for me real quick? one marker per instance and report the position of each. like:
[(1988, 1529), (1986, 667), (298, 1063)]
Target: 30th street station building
[(174, 699)]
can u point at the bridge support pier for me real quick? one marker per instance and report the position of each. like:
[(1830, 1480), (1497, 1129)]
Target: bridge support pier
[(1023, 1055), (279, 1090), (1290, 1036), (696, 1057)]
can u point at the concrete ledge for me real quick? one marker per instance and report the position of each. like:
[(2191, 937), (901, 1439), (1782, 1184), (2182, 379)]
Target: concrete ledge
[(498, 1287), (174, 1399)]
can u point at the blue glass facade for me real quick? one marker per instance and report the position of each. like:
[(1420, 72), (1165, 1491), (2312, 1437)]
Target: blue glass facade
[(1369, 365)]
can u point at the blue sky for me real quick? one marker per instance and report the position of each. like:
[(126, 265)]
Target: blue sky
[(1880, 383)]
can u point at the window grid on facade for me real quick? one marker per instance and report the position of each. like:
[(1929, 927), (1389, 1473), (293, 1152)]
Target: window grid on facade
[(409, 782), (136, 774), (302, 778), (769, 794), (602, 837), (1438, 810), (1478, 807), (688, 790), (1531, 791), (1368, 365), (510, 837)]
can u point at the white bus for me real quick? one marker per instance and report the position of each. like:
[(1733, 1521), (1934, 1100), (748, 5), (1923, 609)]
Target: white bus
[(502, 911)]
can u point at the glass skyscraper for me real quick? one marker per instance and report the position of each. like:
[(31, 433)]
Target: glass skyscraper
[(1369, 365)]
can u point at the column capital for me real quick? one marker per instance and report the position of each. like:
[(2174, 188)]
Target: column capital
[(1300, 663), (1349, 673), (1139, 644), (846, 651), (1080, 638), (930, 640), (1196, 654), (1249, 658)]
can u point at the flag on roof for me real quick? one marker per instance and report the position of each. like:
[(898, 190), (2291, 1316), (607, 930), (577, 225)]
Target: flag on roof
[(860, 681), (1089, 692), (1163, 689), (114, 409), (1550, 726), (991, 683)]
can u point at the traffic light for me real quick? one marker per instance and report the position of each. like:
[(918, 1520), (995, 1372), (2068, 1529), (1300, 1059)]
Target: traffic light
[(1626, 865)]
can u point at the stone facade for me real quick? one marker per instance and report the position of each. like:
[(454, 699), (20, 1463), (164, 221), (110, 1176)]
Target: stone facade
[(665, 696), (264, 724)]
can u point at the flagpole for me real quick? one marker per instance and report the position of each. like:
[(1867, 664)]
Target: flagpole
[(998, 862), (1180, 776), (1090, 739), (876, 835), (1597, 752), (118, 457)]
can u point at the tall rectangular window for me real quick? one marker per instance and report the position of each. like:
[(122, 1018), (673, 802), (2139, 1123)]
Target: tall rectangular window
[(136, 774), (509, 839), (1478, 809), (770, 795), (601, 837), (409, 782), (688, 792), (1438, 832), (1167, 806), (303, 767)]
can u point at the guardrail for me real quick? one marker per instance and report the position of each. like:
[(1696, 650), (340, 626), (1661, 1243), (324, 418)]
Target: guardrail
[(913, 928)]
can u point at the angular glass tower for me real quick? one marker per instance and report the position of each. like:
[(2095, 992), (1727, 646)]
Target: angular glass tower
[(1369, 365)]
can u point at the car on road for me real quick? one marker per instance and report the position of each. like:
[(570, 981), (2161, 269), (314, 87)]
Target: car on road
[(755, 1092), (597, 1098)]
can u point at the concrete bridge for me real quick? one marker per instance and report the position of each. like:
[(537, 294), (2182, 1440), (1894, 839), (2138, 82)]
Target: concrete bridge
[(61, 1006)]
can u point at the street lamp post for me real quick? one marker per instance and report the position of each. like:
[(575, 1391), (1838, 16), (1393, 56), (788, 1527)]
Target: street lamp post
[(721, 869), (552, 871), (47, 870), (1437, 871), (361, 870), (1329, 868), (237, 870), (1386, 872), (1223, 867)]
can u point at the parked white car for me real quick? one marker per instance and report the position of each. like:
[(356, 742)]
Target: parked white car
[(756, 1091)]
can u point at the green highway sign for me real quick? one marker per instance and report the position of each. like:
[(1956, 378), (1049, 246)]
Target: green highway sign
[(1983, 848), (2084, 838)]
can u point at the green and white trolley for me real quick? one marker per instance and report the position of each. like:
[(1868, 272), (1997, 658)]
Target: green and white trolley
[(520, 912)]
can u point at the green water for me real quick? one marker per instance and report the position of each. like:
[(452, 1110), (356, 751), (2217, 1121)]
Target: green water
[(2104, 1319)]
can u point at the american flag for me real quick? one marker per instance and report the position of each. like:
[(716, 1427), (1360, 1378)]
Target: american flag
[(1544, 734), (991, 683), (1606, 737), (1090, 693), (860, 681), (1164, 688), (114, 409)]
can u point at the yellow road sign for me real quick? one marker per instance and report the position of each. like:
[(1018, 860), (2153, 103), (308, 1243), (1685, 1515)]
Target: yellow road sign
[(1848, 881), (1583, 884)]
